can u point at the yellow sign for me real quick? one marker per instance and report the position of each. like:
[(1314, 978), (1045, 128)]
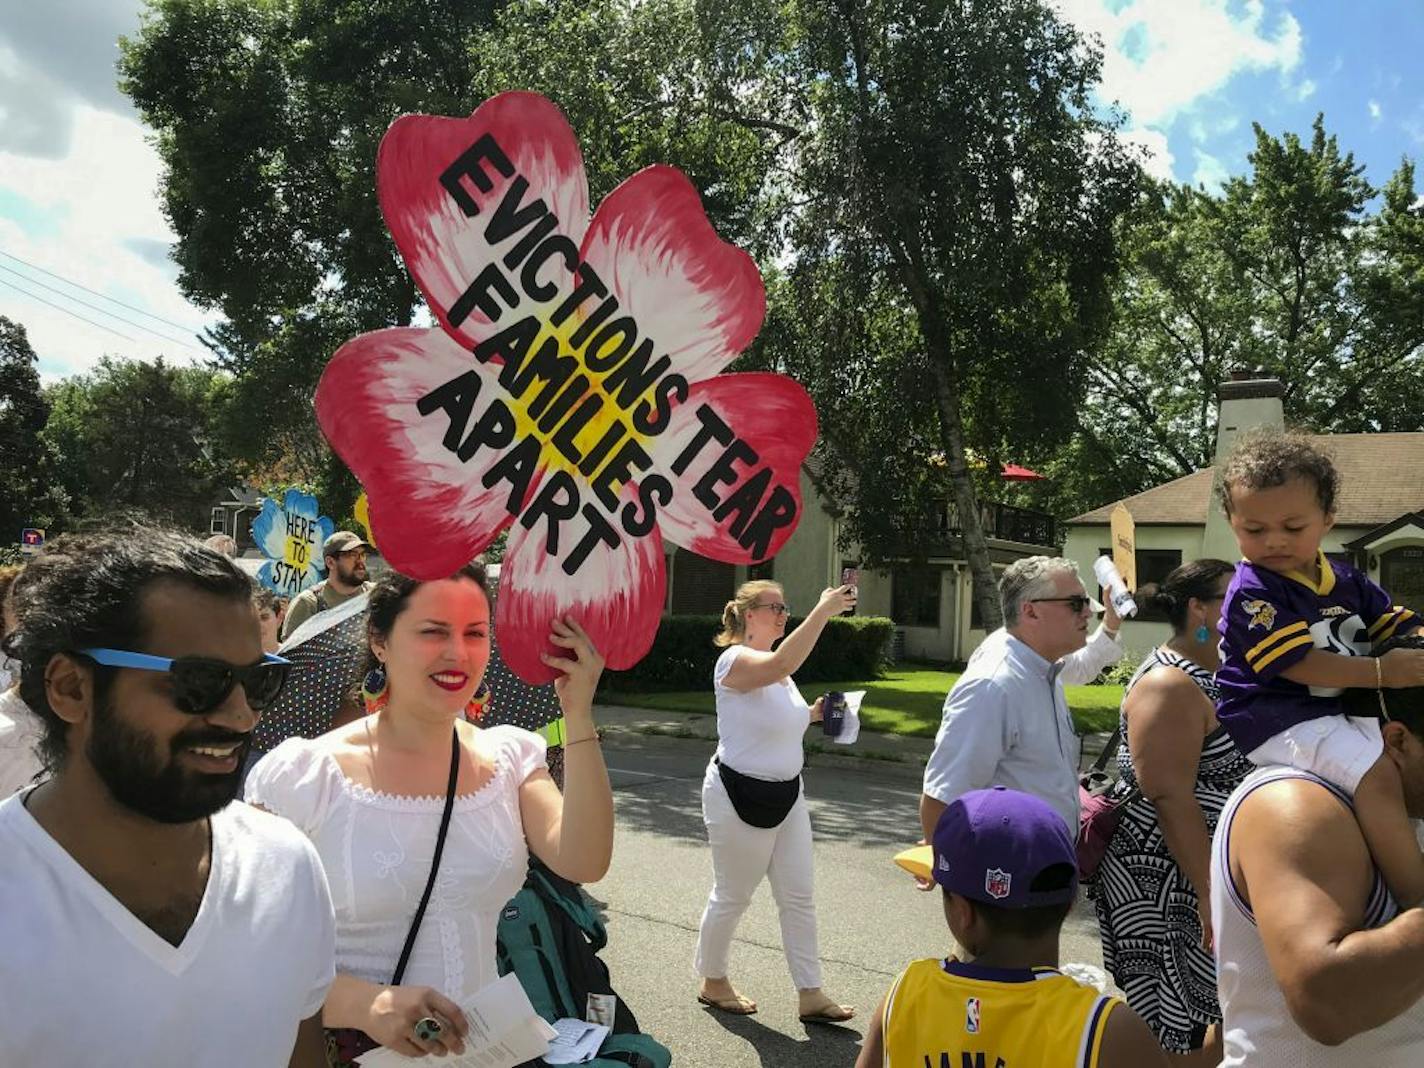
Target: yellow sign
[(298, 553), (363, 516), (1124, 546)]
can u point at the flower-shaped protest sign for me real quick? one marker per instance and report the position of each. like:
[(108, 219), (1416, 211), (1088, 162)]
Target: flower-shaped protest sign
[(291, 536), (571, 391)]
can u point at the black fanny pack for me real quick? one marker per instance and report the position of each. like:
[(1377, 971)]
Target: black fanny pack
[(759, 802)]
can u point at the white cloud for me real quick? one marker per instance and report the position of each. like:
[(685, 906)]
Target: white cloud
[(1306, 89), (1210, 172), (79, 191), (1160, 57), (1376, 113), (92, 217), (1158, 161)]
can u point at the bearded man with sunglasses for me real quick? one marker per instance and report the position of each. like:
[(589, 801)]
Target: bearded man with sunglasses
[(1006, 721), (146, 918)]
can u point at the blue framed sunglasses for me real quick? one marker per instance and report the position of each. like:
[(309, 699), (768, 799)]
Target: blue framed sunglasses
[(201, 684)]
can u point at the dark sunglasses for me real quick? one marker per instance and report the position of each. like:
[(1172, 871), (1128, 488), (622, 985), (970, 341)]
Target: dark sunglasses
[(1076, 603), (201, 684)]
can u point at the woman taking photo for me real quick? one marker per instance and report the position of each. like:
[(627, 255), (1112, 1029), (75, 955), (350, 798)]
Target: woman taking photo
[(752, 801), (425, 823), (1151, 889)]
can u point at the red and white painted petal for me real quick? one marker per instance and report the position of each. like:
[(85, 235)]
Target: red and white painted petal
[(617, 596), (700, 299), (444, 249), (430, 513), (771, 413)]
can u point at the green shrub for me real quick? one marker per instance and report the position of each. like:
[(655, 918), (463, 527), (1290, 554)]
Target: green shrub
[(682, 656)]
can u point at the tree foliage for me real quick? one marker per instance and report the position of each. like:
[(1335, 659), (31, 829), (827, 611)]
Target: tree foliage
[(1287, 271), (28, 495), (957, 172), (135, 437)]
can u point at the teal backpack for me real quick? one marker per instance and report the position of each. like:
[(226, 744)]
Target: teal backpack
[(550, 939)]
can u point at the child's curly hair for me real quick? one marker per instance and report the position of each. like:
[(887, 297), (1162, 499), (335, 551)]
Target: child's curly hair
[(1262, 458)]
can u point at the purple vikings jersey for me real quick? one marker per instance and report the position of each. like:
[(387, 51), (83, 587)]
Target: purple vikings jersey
[(1271, 621)]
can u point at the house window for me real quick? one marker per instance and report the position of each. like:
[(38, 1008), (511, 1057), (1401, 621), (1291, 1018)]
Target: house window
[(1402, 574), (1153, 565), (217, 524), (914, 596)]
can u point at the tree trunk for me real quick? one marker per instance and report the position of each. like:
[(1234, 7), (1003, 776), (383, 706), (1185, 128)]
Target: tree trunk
[(951, 429), (976, 546)]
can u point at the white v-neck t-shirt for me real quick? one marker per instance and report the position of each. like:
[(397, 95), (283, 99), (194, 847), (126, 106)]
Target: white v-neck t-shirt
[(83, 982)]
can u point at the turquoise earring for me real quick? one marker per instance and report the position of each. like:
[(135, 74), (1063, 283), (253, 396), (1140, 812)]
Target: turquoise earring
[(1203, 635)]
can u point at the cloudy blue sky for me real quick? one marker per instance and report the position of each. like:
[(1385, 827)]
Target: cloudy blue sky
[(80, 219)]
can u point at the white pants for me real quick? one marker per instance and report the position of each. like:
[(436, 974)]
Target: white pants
[(742, 856)]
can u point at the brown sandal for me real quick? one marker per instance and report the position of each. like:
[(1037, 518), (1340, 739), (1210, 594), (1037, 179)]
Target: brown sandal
[(831, 1013), (736, 1005)]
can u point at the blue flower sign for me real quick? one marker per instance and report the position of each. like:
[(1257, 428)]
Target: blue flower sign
[(291, 536)]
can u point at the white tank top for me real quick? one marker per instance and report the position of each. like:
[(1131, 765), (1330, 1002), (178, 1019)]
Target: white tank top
[(1257, 1028), (759, 732)]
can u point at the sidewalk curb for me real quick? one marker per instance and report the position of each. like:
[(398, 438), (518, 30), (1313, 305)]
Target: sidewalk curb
[(904, 755)]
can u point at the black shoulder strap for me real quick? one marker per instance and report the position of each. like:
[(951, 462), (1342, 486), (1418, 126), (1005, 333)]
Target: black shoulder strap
[(1109, 749), (434, 861)]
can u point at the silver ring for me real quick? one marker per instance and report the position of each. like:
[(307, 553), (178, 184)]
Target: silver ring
[(427, 1028)]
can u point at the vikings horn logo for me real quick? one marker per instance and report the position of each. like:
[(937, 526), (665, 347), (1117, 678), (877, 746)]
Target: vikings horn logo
[(1262, 614)]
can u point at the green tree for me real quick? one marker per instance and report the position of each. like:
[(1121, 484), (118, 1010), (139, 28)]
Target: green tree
[(28, 494), (958, 167), (268, 118), (1287, 271), (135, 437)]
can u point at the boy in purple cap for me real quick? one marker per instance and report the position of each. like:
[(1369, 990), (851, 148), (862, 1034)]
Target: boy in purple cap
[(1009, 874), (1296, 629)]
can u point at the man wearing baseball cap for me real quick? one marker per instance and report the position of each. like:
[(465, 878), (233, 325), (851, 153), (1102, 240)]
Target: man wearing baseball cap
[(345, 556), (1008, 872)]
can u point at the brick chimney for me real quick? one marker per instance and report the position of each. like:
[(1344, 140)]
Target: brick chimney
[(1245, 400)]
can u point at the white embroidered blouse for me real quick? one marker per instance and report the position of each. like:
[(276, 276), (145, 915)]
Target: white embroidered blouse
[(377, 847)]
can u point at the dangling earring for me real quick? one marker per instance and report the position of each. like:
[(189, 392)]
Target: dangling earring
[(374, 691), (1203, 634), (479, 703)]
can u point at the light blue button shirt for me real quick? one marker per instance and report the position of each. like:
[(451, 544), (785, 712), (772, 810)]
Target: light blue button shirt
[(1006, 723)]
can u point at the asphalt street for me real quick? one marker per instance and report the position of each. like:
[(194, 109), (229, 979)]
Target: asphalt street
[(872, 919)]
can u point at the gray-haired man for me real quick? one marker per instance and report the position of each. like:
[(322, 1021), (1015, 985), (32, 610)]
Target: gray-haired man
[(1006, 722)]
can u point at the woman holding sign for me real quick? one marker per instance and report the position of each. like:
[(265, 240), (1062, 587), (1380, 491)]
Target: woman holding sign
[(425, 823), (752, 801)]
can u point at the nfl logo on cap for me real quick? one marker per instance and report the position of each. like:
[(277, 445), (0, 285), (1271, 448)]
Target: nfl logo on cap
[(997, 883), (971, 1016)]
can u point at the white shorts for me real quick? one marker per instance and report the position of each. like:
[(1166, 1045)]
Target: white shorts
[(1340, 749)]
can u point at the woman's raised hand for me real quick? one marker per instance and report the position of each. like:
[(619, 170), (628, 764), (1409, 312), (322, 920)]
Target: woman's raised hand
[(581, 670), (837, 599)]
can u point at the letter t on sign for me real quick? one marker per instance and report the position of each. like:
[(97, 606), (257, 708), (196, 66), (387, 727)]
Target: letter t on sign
[(469, 166)]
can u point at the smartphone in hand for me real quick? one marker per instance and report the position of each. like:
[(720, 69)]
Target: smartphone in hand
[(850, 576)]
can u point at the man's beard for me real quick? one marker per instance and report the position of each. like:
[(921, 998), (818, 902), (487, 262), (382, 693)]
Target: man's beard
[(127, 760), (351, 576)]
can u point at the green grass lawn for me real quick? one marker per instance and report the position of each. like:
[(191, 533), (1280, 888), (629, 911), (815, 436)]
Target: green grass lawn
[(908, 700)]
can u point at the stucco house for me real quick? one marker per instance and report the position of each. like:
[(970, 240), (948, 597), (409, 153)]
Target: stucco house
[(931, 604), (1379, 516)]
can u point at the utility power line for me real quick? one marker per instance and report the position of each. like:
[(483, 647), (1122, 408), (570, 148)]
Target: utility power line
[(89, 304), (95, 292), (56, 307)]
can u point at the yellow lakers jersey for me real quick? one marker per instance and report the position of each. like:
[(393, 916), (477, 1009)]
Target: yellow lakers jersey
[(948, 1014)]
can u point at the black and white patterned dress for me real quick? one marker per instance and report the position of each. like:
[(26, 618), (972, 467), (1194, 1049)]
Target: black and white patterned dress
[(1147, 908)]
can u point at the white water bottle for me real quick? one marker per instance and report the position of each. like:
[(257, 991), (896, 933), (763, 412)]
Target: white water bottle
[(1111, 581)]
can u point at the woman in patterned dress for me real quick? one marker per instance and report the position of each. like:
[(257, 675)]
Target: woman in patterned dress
[(1180, 765)]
